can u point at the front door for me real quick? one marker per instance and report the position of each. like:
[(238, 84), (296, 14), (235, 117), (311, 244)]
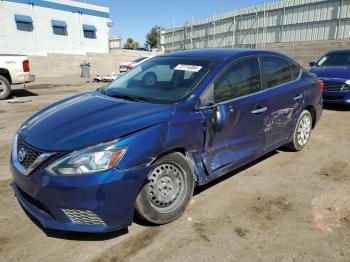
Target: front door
[(241, 136)]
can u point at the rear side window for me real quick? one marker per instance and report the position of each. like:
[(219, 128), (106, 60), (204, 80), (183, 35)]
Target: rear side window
[(276, 71), (242, 78)]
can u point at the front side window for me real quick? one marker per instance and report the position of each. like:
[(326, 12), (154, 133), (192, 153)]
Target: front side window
[(335, 59), (296, 69), (276, 71), (243, 78), (161, 79)]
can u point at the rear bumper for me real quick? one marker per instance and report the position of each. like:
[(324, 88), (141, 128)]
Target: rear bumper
[(29, 78), (96, 203)]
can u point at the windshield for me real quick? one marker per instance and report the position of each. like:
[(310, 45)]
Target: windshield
[(161, 79), (336, 59)]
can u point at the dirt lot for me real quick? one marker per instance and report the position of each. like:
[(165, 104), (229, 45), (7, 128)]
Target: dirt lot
[(284, 207)]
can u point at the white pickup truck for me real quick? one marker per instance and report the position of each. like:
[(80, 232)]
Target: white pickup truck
[(14, 70)]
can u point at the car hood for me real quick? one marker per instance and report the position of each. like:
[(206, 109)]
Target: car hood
[(89, 119), (341, 72)]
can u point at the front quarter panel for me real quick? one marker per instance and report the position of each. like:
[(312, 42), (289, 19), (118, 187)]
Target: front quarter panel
[(184, 131), (143, 146), (187, 131)]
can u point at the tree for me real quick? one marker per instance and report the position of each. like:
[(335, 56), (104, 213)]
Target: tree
[(131, 44), (152, 37)]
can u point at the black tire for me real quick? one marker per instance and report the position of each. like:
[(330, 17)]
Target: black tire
[(171, 167), (5, 88), (297, 144)]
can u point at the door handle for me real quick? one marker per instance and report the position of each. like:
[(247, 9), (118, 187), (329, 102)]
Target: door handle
[(298, 97), (260, 110)]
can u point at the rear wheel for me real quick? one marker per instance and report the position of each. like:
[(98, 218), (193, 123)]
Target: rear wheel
[(5, 88), (302, 132), (167, 192)]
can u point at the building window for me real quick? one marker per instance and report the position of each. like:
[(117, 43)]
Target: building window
[(59, 27), (24, 23), (89, 31)]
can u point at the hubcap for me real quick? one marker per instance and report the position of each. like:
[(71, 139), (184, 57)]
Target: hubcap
[(304, 130), (2, 87), (165, 187)]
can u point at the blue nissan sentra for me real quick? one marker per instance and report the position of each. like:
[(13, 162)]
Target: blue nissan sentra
[(334, 69), (140, 145)]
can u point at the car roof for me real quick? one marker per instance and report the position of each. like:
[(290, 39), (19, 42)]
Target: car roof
[(220, 53)]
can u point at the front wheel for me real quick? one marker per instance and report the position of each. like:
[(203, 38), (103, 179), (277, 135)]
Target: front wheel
[(302, 132), (167, 191)]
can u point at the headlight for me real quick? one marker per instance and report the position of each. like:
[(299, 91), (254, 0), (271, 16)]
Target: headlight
[(87, 161), (346, 86)]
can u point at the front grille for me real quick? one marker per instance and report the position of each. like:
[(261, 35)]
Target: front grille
[(48, 161), (333, 97), (30, 155), (332, 86), (84, 217)]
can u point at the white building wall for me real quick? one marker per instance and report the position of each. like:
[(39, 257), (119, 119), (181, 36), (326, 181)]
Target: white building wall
[(41, 40)]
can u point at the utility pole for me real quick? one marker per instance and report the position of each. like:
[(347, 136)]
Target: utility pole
[(339, 18), (233, 31), (173, 35), (192, 33)]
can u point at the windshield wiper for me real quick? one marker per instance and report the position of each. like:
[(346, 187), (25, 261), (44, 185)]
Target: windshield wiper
[(130, 97)]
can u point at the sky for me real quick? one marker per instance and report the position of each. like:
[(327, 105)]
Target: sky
[(134, 18)]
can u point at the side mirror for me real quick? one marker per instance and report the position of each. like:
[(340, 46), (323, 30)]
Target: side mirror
[(312, 64), (219, 117)]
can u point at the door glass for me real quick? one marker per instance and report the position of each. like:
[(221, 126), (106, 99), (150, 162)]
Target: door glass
[(242, 78), (295, 71), (276, 71)]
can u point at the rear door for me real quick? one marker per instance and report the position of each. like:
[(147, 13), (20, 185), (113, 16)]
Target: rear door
[(241, 138), (286, 96)]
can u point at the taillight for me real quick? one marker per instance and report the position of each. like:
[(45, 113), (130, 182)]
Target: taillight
[(320, 84), (25, 64)]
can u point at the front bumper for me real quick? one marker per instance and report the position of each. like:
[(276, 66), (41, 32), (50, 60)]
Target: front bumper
[(336, 97), (28, 78), (95, 203)]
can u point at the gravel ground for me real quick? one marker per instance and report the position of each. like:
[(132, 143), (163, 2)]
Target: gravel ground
[(284, 207)]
